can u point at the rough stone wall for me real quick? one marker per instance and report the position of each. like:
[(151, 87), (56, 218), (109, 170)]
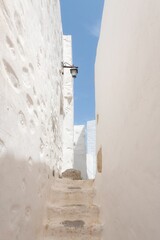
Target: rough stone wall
[(128, 117), (91, 149), (30, 115), (68, 106), (80, 150)]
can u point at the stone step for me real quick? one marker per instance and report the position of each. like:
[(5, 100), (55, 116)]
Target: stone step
[(64, 182), (73, 230), (87, 213), (61, 197), (70, 238)]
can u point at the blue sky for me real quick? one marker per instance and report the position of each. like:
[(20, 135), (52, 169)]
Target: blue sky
[(82, 20)]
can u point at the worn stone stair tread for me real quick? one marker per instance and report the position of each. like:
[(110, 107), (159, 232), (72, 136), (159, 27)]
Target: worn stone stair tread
[(74, 206), (68, 196), (92, 237), (76, 183), (73, 189), (90, 213), (73, 192), (73, 228)]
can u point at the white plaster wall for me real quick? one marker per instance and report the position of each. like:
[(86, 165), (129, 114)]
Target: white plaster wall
[(30, 126), (91, 149), (68, 106), (128, 130), (80, 150)]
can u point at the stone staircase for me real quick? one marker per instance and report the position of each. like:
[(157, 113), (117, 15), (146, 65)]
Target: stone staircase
[(71, 213)]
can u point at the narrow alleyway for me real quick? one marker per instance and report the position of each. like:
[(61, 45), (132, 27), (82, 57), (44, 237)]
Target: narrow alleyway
[(71, 213)]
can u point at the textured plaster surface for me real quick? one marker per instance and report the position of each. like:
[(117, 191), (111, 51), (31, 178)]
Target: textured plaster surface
[(68, 106), (30, 120), (91, 149), (80, 150), (128, 130)]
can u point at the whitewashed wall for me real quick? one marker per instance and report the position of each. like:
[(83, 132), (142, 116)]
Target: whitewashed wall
[(128, 114), (91, 149), (30, 119), (68, 106), (80, 150)]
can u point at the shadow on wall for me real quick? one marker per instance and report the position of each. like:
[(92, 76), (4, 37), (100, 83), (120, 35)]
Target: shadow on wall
[(80, 155), (99, 160), (24, 187)]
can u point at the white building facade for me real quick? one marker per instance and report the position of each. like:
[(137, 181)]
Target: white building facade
[(128, 116), (36, 108), (68, 103), (80, 150)]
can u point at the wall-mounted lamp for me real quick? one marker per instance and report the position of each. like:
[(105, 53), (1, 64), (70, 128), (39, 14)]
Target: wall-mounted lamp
[(73, 69)]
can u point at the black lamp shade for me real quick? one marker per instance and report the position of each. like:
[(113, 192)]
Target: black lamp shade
[(74, 72)]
